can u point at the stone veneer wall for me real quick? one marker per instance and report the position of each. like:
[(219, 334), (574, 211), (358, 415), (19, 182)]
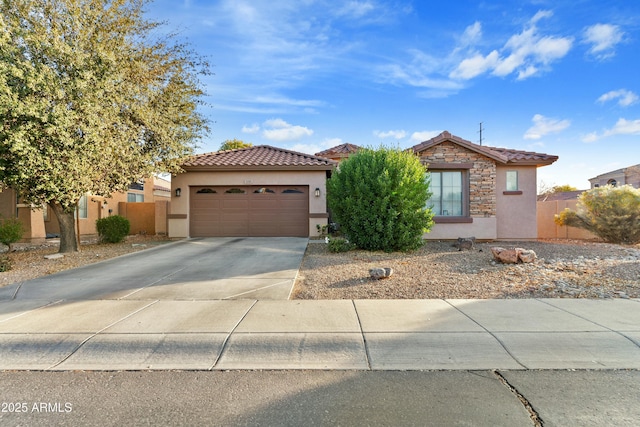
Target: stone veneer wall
[(482, 176)]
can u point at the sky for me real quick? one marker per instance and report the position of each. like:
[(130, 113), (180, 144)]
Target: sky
[(560, 77)]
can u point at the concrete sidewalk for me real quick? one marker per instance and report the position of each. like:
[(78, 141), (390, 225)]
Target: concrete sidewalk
[(118, 334)]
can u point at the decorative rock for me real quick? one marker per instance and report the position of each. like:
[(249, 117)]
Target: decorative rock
[(526, 255), (380, 273), (54, 256), (505, 256), (513, 256), (467, 243)]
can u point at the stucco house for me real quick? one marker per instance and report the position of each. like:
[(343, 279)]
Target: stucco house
[(624, 176), (42, 222), (255, 191), (480, 191)]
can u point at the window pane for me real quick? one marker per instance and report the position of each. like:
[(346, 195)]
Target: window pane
[(82, 207), (512, 180), (446, 189)]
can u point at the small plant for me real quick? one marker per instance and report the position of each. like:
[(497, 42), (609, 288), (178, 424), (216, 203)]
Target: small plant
[(340, 245), (5, 263), (322, 229), (113, 229), (11, 231)]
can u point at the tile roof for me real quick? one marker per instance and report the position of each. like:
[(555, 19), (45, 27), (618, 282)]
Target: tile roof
[(565, 195), (501, 155), (339, 150), (263, 157)]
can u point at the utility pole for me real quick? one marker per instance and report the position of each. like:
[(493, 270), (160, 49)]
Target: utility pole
[(481, 129)]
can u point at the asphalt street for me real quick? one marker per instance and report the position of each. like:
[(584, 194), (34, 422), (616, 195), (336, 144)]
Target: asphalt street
[(322, 398)]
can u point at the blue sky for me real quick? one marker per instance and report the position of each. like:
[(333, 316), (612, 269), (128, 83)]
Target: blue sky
[(559, 77)]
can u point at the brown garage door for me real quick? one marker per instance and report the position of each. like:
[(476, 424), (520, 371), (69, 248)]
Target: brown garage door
[(253, 211)]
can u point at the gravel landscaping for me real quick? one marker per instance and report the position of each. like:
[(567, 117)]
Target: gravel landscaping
[(564, 269)]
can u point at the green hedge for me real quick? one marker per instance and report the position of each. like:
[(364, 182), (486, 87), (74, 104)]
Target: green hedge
[(113, 229)]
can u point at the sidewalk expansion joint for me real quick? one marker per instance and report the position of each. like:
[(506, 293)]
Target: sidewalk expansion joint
[(84, 341), (364, 338), (226, 339), (504, 347), (591, 321), (535, 417)]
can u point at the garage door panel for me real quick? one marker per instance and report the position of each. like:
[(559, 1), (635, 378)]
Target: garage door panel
[(258, 211)]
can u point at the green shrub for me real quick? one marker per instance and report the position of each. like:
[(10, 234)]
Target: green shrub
[(11, 231), (378, 197), (113, 229), (611, 213), (340, 245)]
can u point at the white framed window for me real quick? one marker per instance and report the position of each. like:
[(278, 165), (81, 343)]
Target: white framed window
[(512, 180)]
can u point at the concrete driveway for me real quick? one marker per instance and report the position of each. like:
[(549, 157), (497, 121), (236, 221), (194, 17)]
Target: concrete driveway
[(194, 269)]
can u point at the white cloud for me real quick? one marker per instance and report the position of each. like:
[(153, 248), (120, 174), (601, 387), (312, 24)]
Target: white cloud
[(474, 66), (622, 127), (472, 34), (543, 126), (603, 39), (625, 98), (254, 128), (527, 54), (279, 130), (424, 135), (356, 9), (397, 134)]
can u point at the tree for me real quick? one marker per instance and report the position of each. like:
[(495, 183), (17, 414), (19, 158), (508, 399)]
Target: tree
[(91, 99), (233, 144), (378, 197), (611, 213)]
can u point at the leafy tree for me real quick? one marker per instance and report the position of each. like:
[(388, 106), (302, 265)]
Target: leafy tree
[(91, 99), (611, 213), (379, 198), (563, 188), (233, 144)]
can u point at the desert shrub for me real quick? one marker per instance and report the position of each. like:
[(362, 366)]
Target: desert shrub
[(611, 213), (337, 244), (11, 231), (113, 229), (378, 197)]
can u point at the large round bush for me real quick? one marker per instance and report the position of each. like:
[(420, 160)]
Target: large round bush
[(378, 197)]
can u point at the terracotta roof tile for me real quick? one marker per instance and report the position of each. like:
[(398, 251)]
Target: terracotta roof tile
[(501, 155), (341, 149), (258, 157)]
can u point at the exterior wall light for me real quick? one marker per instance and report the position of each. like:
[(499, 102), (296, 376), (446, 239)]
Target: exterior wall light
[(317, 192), (178, 192)]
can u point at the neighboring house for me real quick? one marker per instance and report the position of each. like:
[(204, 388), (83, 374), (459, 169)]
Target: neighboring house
[(480, 191), (254, 191), (630, 176), (339, 152), (42, 222)]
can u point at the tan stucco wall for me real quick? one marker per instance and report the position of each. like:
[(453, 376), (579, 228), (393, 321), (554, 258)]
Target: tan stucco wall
[(179, 227), (517, 213)]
